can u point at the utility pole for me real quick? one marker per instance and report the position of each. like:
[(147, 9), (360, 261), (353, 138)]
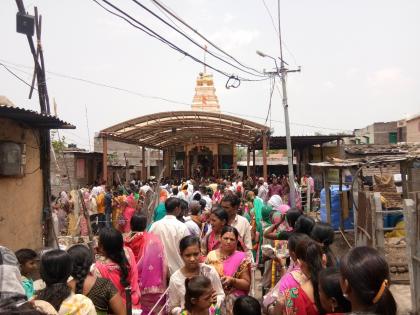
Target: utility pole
[(283, 74)]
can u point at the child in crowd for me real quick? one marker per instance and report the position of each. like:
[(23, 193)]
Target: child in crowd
[(246, 305), (198, 297), (28, 261)]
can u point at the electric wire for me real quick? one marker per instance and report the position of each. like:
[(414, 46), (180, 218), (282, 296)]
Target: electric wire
[(16, 76), (272, 84), (173, 46), (166, 99), (277, 31), (169, 11), (193, 41)]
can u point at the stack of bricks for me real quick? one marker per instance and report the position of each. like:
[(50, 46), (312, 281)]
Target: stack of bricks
[(391, 195)]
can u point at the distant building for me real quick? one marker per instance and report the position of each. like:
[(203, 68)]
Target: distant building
[(413, 129), (74, 168), (377, 133), (125, 160)]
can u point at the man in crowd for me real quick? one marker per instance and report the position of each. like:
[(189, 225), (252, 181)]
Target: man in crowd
[(171, 231)]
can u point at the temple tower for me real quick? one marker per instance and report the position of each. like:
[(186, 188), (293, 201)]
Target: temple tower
[(205, 98)]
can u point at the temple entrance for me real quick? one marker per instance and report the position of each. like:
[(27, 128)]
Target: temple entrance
[(201, 162)]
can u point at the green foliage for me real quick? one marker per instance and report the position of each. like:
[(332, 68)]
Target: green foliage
[(58, 144)]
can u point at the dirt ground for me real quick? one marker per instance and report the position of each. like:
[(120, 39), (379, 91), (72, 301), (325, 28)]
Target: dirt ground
[(402, 295)]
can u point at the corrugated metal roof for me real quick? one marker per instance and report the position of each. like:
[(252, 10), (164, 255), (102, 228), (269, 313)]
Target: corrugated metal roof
[(33, 118)]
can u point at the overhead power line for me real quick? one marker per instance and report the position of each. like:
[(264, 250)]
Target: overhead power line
[(16, 76), (104, 85), (167, 42), (194, 42), (170, 12)]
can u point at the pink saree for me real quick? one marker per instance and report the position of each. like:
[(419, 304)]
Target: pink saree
[(110, 270), (128, 213), (152, 270), (232, 266)]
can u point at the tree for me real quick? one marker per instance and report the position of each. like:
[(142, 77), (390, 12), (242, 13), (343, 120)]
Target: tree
[(58, 144)]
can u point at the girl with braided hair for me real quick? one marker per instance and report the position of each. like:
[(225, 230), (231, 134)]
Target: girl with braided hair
[(55, 269), (323, 233), (118, 264), (101, 291)]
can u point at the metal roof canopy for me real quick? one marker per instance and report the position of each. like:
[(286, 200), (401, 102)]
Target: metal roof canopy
[(300, 141), (165, 129), (33, 118)]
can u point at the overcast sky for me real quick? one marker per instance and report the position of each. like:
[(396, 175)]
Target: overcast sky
[(359, 58)]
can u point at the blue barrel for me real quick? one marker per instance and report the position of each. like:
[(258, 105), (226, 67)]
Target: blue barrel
[(336, 208)]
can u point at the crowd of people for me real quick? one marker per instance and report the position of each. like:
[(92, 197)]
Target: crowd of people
[(208, 248)]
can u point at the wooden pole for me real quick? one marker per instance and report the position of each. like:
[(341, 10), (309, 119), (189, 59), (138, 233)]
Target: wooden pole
[(254, 166), (143, 164), (340, 194), (265, 157), (327, 196), (248, 158), (104, 159), (412, 225)]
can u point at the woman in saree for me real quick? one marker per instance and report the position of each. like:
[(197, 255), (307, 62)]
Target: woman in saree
[(294, 277), (218, 219), (135, 240), (117, 263), (128, 213), (304, 299), (255, 219), (152, 270), (233, 267)]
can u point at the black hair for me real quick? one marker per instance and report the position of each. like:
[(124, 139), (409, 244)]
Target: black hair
[(324, 233), (246, 305), (82, 259), (304, 224), (292, 215), (310, 252), (25, 254), (366, 270), (194, 207), (232, 199), (295, 239), (175, 191), (55, 269), (203, 204), (230, 229), (197, 197), (138, 223), (329, 281), (194, 288), (183, 204), (221, 214), (112, 244), (188, 241), (171, 204)]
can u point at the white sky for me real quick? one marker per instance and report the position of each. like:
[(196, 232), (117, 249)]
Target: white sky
[(359, 60)]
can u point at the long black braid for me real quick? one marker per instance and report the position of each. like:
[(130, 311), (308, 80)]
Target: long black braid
[(112, 244), (55, 268), (82, 261)]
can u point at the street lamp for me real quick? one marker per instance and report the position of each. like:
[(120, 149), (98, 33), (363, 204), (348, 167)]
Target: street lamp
[(282, 73)]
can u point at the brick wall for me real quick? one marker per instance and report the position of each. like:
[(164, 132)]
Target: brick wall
[(413, 130)]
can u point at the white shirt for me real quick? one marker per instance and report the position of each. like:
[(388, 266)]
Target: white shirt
[(177, 288), (171, 231), (192, 227), (209, 203), (244, 229)]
